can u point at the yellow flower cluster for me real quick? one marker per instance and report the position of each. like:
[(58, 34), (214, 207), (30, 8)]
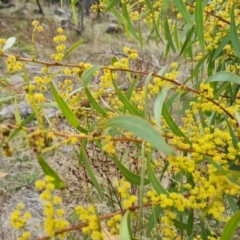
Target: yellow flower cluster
[(206, 91), (37, 26), (223, 10), (168, 230), (18, 220), (25, 236), (182, 162), (2, 43), (123, 63), (13, 65), (53, 213), (175, 200), (138, 98), (65, 88), (93, 228), (108, 146), (114, 224), (41, 82), (60, 47), (132, 53), (106, 78), (123, 187), (134, 16), (98, 7)]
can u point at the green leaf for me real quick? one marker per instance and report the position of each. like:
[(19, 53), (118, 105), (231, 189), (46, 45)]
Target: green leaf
[(158, 106), (227, 173), (187, 40), (16, 113), (22, 124), (171, 100), (155, 182), (149, 5), (168, 36), (73, 47), (230, 226), (238, 117), (125, 229), (111, 5), (153, 219), (95, 104), (128, 175), (203, 229), (232, 203), (223, 77), (83, 158), (142, 129), (179, 225), (222, 44), (233, 136), (164, 10), (220, 89), (114, 59), (73, 2), (148, 78), (199, 23), (175, 34), (129, 22), (172, 125), (9, 43), (190, 222), (127, 104), (183, 10), (74, 13), (233, 34), (68, 114), (87, 75), (116, 13), (5, 99), (58, 183), (130, 89)]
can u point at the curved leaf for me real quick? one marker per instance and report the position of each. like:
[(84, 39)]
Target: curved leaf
[(127, 104), (223, 77), (199, 23), (231, 226), (129, 22), (234, 34), (94, 103), (155, 182), (111, 5), (58, 183), (83, 158), (153, 219), (22, 124), (158, 106), (87, 75), (128, 175), (183, 10), (170, 122), (142, 129), (73, 47), (125, 232), (9, 43), (67, 112)]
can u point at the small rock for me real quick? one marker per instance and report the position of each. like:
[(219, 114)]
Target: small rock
[(16, 79), (113, 28), (25, 110)]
